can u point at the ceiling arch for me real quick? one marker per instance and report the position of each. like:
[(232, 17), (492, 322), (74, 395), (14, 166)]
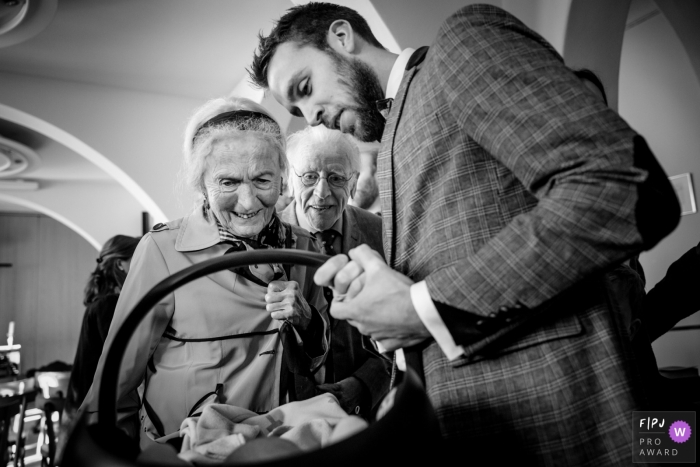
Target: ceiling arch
[(40, 207), (79, 147)]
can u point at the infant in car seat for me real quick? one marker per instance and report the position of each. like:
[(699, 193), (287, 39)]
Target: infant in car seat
[(221, 429)]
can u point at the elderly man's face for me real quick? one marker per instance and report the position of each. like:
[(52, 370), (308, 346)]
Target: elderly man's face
[(328, 89), (322, 204), (243, 181)]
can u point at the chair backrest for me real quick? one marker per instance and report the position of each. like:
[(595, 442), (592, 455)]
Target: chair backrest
[(9, 407), (53, 384)]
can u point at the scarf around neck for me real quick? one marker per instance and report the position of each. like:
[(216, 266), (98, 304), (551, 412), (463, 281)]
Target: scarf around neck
[(276, 234)]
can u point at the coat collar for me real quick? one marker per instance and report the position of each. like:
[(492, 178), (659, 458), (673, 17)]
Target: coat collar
[(196, 232), (385, 160)]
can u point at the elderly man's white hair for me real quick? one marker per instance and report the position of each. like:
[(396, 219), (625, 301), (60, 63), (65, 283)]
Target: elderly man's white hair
[(199, 141), (301, 142)]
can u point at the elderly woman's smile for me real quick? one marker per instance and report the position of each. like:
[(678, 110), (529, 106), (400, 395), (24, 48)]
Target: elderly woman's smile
[(243, 180)]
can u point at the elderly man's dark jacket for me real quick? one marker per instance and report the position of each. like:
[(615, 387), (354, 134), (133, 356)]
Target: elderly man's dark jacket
[(349, 356)]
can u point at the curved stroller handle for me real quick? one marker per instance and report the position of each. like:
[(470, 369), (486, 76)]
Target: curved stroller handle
[(107, 401)]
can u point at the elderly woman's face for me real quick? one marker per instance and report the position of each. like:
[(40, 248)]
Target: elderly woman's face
[(243, 181)]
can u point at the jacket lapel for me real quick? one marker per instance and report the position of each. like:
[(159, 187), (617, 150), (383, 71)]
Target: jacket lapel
[(385, 160), (351, 231)]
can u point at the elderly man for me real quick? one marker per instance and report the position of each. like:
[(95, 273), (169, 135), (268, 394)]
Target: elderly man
[(323, 167), (507, 189)]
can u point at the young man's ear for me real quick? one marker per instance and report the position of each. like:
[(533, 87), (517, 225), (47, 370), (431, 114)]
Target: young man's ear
[(341, 37)]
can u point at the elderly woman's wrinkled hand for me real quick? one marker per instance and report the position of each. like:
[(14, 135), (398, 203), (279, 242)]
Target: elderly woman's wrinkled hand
[(285, 302)]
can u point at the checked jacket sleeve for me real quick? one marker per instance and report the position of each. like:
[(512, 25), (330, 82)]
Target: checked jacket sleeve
[(601, 194)]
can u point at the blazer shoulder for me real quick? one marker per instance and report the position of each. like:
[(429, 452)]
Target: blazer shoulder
[(473, 27), (479, 14)]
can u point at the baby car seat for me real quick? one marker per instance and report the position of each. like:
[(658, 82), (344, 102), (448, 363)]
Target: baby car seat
[(407, 432)]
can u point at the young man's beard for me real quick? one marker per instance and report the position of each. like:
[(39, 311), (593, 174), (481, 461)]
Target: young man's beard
[(364, 87)]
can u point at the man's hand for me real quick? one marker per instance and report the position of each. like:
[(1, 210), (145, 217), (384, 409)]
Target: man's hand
[(373, 298), (285, 302)]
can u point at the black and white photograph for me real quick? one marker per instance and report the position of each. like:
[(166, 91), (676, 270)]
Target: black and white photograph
[(349, 232)]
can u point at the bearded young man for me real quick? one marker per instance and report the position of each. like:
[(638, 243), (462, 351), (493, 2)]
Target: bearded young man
[(507, 189)]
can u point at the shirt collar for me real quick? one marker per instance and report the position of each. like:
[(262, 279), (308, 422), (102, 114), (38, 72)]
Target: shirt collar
[(397, 72)]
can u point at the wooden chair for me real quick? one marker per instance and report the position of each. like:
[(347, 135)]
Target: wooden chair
[(54, 387), (23, 393), (9, 407)]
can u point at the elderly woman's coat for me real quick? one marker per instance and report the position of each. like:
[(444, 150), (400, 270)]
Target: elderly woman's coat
[(211, 339)]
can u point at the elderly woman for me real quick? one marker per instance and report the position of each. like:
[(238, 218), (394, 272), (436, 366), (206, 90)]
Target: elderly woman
[(219, 338)]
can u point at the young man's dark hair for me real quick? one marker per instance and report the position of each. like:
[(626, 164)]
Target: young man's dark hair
[(306, 25)]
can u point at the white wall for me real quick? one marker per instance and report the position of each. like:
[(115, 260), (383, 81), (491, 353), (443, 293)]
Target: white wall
[(594, 34), (660, 98), (42, 292), (139, 132), (95, 210)]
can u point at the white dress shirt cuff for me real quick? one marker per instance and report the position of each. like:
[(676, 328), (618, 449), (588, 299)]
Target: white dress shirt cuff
[(398, 353), (420, 296)]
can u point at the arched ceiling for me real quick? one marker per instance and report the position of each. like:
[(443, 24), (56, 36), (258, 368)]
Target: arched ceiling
[(121, 78), (57, 161)]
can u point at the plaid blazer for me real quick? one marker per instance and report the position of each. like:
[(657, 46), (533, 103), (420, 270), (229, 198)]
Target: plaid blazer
[(509, 189)]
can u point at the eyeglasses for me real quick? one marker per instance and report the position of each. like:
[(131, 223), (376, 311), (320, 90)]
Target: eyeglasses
[(310, 179)]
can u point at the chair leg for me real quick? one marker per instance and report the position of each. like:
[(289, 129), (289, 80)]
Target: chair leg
[(4, 444), (19, 449), (50, 434), (48, 456)]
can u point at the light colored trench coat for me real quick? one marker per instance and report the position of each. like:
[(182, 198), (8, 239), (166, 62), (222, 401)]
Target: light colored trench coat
[(179, 373)]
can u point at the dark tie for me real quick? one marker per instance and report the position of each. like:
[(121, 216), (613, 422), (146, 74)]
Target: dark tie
[(327, 237)]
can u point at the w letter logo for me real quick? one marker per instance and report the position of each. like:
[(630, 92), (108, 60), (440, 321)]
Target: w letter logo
[(679, 431)]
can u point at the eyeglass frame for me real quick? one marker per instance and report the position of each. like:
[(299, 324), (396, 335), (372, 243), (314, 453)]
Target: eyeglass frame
[(345, 182)]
